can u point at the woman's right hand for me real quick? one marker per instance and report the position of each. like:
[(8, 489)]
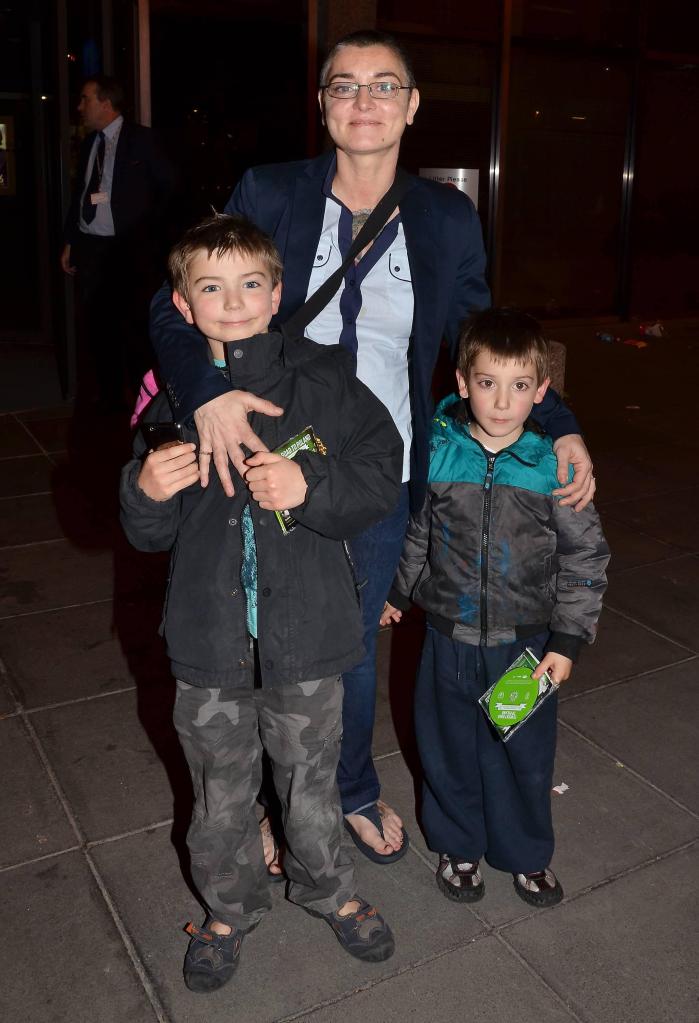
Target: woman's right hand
[(223, 428)]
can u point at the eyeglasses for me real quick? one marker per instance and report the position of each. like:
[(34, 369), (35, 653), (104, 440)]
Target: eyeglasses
[(377, 90)]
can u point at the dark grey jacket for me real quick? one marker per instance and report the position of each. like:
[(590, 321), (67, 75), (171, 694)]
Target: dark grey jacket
[(492, 556), (309, 623)]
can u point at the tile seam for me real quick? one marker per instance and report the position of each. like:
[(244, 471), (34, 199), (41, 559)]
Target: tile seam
[(636, 774), (625, 678)]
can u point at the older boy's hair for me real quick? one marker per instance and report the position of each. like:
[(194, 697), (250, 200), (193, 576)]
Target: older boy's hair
[(506, 334), (221, 234)]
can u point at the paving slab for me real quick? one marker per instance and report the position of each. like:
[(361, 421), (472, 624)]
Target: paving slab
[(646, 724), (82, 651), (29, 474), (52, 574), (605, 809), (65, 410), (625, 952), (58, 573), (640, 470), (118, 760), (630, 549), (28, 519), (32, 820), (458, 986), (669, 517), (51, 432), (291, 962), (72, 964), (662, 596), (622, 649), (8, 703), (14, 439)]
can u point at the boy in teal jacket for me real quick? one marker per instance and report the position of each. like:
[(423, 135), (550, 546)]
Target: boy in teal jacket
[(498, 565)]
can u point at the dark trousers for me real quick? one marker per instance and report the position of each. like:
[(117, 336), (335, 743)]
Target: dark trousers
[(115, 280), (223, 735), (375, 553), (482, 797)]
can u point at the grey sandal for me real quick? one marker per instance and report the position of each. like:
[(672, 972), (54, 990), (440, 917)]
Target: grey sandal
[(459, 880)]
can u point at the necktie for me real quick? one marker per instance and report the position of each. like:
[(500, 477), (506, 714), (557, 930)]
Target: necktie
[(93, 185)]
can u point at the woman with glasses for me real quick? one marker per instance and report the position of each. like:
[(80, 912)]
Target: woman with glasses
[(412, 286)]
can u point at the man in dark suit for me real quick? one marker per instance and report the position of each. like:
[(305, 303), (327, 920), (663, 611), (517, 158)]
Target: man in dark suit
[(113, 235)]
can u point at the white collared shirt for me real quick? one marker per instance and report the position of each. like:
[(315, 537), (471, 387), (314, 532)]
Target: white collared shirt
[(103, 224), (383, 325)]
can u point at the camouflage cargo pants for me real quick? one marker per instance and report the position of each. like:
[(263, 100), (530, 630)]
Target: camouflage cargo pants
[(300, 727)]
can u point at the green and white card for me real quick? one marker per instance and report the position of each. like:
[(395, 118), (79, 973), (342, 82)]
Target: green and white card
[(516, 695), (306, 440)]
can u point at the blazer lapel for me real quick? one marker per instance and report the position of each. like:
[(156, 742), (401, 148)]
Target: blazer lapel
[(121, 156), (305, 225), (422, 244)]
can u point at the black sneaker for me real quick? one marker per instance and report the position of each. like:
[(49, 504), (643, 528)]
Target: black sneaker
[(542, 888), (364, 933), (459, 880), (211, 959)]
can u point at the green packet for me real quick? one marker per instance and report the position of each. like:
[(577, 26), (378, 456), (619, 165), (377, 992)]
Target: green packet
[(306, 440), (516, 695)]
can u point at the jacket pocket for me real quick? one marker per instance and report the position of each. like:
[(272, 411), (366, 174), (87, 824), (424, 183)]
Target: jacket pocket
[(323, 252), (398, 265)]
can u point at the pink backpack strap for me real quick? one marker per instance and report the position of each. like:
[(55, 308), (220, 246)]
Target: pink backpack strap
[(148, 391)]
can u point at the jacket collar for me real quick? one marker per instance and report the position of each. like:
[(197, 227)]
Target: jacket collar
[(453, 416), (256, 363)]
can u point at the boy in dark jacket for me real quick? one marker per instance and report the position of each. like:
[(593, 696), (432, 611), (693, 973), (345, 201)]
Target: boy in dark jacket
[(259, 621), (498, 565)]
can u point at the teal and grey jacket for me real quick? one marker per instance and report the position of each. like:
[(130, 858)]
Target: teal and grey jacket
[(492, 556)]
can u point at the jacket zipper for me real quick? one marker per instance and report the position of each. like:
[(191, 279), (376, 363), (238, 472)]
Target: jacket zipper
[(350, 563), (485, 545)]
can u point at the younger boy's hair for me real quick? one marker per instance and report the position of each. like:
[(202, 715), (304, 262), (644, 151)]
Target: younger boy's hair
[(221, 234), (506, 334)]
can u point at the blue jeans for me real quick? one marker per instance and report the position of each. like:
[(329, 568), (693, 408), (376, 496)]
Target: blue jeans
[(376, 553)]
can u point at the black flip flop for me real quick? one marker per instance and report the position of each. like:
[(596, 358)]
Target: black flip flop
[(372, 814)]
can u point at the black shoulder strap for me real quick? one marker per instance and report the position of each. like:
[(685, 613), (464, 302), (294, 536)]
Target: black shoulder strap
[(298, 321)]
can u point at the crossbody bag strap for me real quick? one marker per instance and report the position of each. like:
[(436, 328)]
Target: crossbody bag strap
[(298, 321)]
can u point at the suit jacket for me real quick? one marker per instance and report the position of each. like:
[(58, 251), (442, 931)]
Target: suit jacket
[(447, 264), (142, 186)]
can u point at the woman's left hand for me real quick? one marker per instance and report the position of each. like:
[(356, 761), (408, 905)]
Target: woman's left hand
[(571, 450)]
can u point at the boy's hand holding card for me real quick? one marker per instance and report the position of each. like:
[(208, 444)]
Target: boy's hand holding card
[(517, 694), (275, 482)]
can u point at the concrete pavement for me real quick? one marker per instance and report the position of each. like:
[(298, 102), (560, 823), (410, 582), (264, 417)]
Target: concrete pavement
[(95, 794)]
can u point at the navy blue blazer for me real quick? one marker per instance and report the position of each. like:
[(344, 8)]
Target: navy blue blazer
[(143, 183), (447, 265)]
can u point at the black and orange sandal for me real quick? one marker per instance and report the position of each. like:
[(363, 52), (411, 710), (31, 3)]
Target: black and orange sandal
[(211, 958), (364, 933)]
